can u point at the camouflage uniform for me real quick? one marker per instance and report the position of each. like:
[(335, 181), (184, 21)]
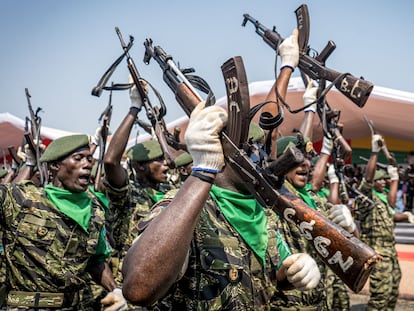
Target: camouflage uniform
[(47, 253), (315, 299), (377, 230), (223, 273)]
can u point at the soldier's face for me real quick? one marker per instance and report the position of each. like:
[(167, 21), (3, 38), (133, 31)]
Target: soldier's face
[(298, 177), (158, 170), (74, 171)]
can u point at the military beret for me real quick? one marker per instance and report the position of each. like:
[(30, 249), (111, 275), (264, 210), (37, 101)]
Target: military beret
[(381, 174), (183, 159), (145, 151), (64, 146), (288, 141), (3, 172), (256, 133)]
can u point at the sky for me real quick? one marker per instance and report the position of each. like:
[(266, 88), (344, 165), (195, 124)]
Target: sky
[(60, 49)]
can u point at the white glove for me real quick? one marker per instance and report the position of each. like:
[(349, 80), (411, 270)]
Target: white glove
[(309, 96), (136, 100), (410, 217), (341, 215), (202, 137), (27, 155), (327, 145), (393, 172), (302, 271), (333, 178), (97, 137), (289, 51), (115, 301), (376, 142)]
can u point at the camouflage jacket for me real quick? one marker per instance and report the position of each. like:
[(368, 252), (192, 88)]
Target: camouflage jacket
[(45, 250), (298, 244), (376, 221), (222, 273)]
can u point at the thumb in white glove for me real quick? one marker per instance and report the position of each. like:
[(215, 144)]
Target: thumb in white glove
[(341, 215), (333, 178), (302, 271), (115, 301), (327, 145), (97, 137), (410, 217), (393, 172), (289, 51), (309, 96), (202, 137), (376, 142), (134, 96)]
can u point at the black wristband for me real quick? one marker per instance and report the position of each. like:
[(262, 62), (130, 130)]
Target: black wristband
[(203, 177)]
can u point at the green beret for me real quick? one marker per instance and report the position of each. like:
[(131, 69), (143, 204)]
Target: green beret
[(3, 172), (64, 146), (380, 174), (288, 141), (183, 159), (145, 151), (256, 133)]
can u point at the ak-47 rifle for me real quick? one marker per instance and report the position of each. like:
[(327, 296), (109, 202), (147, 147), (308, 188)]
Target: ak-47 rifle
[(349, 257), (388, 155), (357, 90), (154, 114), (105, 118), (33, 138)]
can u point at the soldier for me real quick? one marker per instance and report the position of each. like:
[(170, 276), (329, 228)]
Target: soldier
[(54, 236), (306, 182), (134, 187), (220, 244), (377, 221)]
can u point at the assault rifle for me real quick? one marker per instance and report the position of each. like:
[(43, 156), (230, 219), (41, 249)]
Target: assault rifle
[(349, 257), (357, 90), (33, 138), (106, 120), (154, 114)]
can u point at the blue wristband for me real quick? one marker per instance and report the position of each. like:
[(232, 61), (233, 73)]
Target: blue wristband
[(291, 67), (207, 170)]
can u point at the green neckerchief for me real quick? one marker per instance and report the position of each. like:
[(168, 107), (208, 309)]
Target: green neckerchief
[(305, 196), (155, 195), (246, 215), (283, 248), (76, 205), (383, 197), (323, 193), (101, 197)]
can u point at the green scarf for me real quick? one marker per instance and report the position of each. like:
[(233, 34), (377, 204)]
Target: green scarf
[(305, 196), (76, 205), (283, 248), (246, 216), (155, 195)]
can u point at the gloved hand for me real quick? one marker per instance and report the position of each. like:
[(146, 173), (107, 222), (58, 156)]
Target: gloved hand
[(302, 271), (341, 215), (376, 142), (410, 217), (309, 96), (96, 139), (327, 145), (333, 178), (202, 137), (289, 51), (136, 100), (115, 301), (393, 172), (27, 155)]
